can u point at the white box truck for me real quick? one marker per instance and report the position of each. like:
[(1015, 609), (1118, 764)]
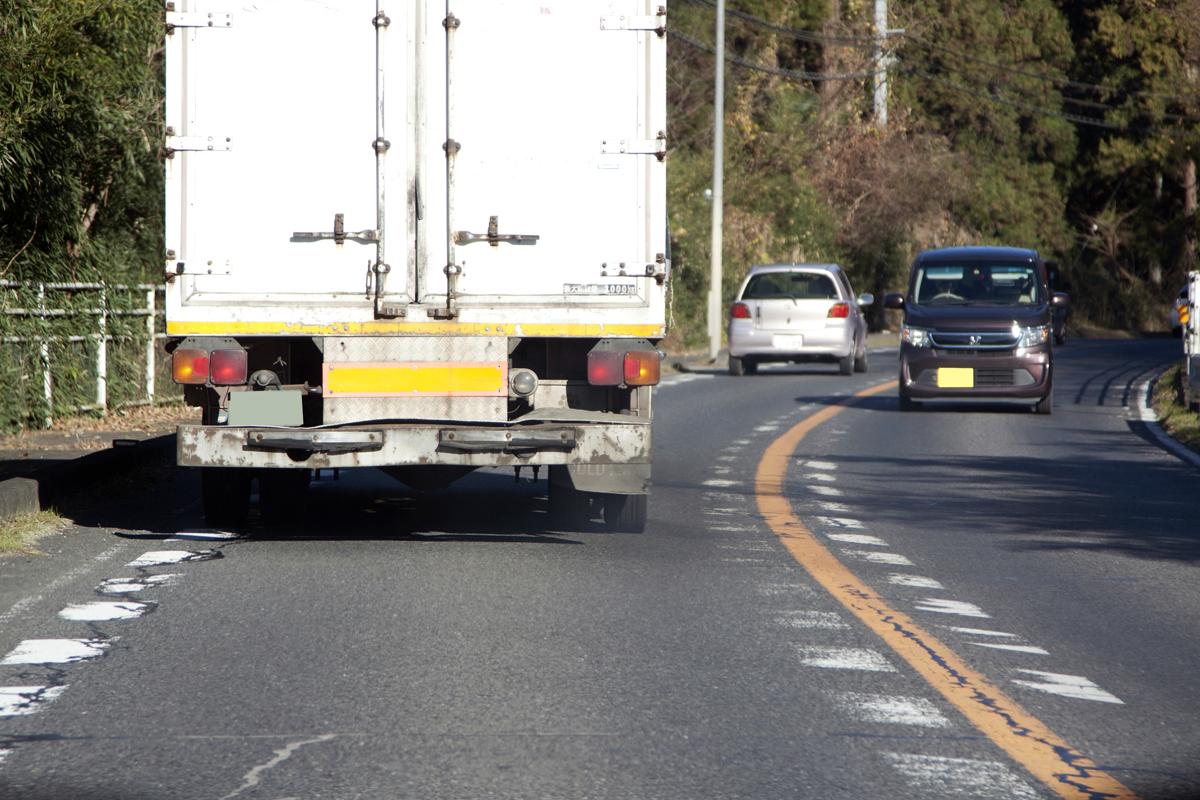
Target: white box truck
[(425, 236)]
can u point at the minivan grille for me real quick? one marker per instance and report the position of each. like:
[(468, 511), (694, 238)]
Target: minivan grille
[(974, 341)]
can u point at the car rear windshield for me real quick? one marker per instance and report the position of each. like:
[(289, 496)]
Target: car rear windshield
[(977, 284), (791, 286)]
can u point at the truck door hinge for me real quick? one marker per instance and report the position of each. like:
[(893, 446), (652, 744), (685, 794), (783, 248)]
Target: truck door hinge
[(196, 19), (195, 144), (656, 147), (656, 23), (494, 237)]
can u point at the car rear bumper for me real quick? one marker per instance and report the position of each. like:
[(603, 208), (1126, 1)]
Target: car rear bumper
[(745, 341), (1026, 376)]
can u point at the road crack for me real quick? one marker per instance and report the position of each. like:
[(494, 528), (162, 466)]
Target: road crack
[(252, 778)]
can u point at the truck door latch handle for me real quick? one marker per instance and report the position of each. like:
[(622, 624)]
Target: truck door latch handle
[(494, 237), (339, 234)]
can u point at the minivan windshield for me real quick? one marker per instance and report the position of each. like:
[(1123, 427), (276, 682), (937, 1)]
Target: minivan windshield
[(988, 284)]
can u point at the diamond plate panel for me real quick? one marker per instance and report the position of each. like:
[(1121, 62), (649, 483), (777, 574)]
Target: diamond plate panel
[(342, 349)]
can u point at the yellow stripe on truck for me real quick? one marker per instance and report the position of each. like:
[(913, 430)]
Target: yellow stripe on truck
[(403, 328), (415, 378)]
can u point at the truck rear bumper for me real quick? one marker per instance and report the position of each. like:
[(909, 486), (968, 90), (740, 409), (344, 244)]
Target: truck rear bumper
[(427, 444)]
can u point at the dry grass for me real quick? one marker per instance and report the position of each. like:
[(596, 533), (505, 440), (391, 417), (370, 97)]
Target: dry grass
[(17, 536), (1176, 419), (76, 433)]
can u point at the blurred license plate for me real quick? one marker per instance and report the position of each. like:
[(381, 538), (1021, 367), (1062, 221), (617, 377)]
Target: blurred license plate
[(782, 342), (956, 378)]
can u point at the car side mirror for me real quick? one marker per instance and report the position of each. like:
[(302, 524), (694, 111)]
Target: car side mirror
[(1060, 300), (866, 299), (893, 300)]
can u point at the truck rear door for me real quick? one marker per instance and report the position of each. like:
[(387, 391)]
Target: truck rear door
[(554, 132)]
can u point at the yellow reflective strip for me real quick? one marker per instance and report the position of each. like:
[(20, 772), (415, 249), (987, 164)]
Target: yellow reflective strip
[(414, 379), (402, 328)]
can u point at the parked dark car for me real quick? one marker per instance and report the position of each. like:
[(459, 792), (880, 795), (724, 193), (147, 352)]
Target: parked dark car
[(977, 325)]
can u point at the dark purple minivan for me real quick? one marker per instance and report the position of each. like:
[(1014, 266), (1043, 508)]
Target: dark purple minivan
[(977, 325)]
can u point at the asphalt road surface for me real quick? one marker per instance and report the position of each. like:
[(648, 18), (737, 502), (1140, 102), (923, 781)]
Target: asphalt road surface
[(833, 599)]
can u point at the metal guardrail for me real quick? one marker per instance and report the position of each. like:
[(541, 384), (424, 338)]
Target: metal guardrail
[(102, 314)]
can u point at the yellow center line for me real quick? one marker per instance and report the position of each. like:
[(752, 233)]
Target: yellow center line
[(1024, 737)]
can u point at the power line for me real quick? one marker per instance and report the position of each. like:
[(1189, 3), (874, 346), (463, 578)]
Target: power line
[(802, 75)]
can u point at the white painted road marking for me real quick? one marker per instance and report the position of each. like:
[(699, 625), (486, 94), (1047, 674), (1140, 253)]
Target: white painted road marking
[(1075, 686), (20, 701), (826, 491), (156, 558), (825, 465), (914, 580), (104, 611), (62, 580), (858, 538), (821, 476), (840, 522), (893, 710), (850, 658), (128, 585), (1015, 648), (938, 776), (983, 632), (819, 620), (720, 482), (833, 508), (940, 606), (893, 559), (55, 651)]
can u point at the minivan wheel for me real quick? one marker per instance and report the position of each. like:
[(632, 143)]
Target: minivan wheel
[(1046, 404), (846, 365), (737, 366), (906, 402)]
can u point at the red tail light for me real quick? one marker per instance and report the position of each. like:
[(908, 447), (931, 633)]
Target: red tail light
[(605, 367), (839, 311), (189, 366), (227, 367), (739, 311), (642, 368)]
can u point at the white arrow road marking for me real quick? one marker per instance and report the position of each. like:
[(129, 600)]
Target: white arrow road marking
[(855, 658), (914, 580), (103, 611), (940, 606), (21, 701), (840, 522), (1016, 648), (937, 776), (858, 538), (1075, 686), (893, 559), (893, 710), (825, 491), (55, 651), (820, 620)]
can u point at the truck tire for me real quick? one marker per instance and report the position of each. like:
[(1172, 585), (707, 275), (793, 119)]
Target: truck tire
[(281, 494), (625, 513), (225, 495)]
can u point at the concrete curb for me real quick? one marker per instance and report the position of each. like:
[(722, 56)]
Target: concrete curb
[(19, 496), (1148, 418)]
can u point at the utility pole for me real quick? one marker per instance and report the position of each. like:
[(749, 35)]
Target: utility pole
[(718, 187), (880, 65)]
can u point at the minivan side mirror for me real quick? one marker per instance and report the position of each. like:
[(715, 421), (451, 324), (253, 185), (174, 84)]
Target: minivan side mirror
[(1060, 300), (893, 300), (866, 299)]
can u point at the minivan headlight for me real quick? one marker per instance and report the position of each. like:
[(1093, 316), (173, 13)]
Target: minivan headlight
[(1032, 336), (917, 337)]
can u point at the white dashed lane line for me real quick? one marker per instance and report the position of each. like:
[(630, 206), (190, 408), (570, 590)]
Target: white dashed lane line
[(892, 710), (20, 701), (858, 538), (131, 585), (55, 651), (158, 558), (875, 557), (938, 776), (940, 605), (812, 620), (103, 611), (848, 658), (1075, 686), (1033, 650)]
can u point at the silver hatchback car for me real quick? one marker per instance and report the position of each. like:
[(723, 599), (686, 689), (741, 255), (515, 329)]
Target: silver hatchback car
[(797, 313)]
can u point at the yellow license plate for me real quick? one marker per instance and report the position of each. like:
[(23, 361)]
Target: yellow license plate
[(955, 378)]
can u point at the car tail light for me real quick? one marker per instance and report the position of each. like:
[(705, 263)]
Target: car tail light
[(227, 367), (839, 311), (739, 311), (642, 368), (189, 366), (605, 367)]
